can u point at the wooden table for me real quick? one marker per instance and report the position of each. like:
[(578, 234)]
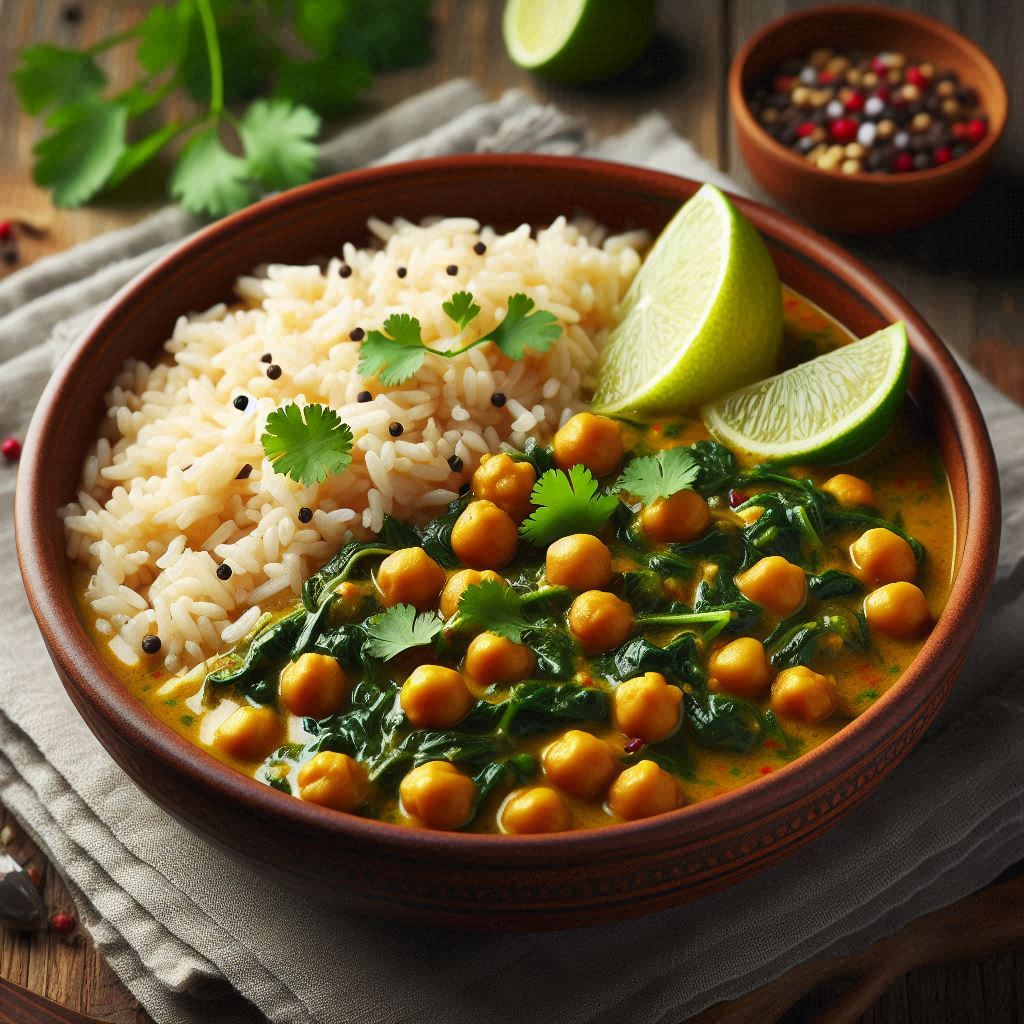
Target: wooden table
[(964, 274)]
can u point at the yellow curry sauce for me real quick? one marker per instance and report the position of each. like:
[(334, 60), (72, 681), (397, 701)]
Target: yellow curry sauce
[(910, 489)]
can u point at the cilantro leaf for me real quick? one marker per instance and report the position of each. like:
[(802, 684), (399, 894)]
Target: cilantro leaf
[(85, 146), (308, 450), (395, 356), (518, 331), (328, 85), (318, 24), (141, 152), (659, 476), (566, 504), (49, 75), (209, 179), (164, 35), (397, 36), (461, 308), (278, 138), (495, 607), (399, 629)]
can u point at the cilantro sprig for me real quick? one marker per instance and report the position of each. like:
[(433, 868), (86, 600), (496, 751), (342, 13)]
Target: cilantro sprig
[(651, 477), (308, 59), (400, 629), (307, 444), (495, 607), (566, 503), (396, 353)]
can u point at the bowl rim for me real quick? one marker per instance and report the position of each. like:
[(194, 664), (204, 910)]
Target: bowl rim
[(90, 680), (746, 122)]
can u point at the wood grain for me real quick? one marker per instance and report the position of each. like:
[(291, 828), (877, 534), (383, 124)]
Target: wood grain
[(965, 274)]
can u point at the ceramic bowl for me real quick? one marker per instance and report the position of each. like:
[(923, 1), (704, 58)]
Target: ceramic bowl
[(863, 204), (481, 881)]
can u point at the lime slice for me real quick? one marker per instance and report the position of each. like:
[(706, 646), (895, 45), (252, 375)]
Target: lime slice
[(702, 316), (577, 40), (829, 409)]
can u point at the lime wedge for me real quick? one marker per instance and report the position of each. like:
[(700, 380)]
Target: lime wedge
[(577, 40), (702, 316), (829, 409)]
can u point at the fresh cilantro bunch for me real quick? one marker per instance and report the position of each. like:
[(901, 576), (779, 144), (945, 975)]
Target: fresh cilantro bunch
[(307, 444), (219, 53), (397, 353), (659, 476)]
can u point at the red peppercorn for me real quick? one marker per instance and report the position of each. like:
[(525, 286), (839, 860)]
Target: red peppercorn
[(976, 130), (63, 924), (35, 876), (633, 746), (783, 83), (915, 76), (903, 162), (826, 77), (10, 448), (805, 128), (736, 498), (882, 92), (855, 102), (942, 155), (6, 229), (878, 65), (844, 129), (960, 130)]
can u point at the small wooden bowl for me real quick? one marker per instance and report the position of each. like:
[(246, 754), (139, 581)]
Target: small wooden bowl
[(864, 204), (488, 881)]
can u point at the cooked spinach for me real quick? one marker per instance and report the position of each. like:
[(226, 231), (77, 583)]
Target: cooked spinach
[(436, 537), (253, 673), (338, 569), (678, 659), (717, 467), (721, 722), (793, 641), (833, 583)]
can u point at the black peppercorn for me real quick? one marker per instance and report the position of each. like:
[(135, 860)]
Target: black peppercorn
[(396, 429), (401, 271), (451, 270), (305, 514), (223, 571), (266, 358), (479, 248), (345, 270), (240, 402), (357, 334), (273, 371), (244, 473), (455, 464), (151, 643), (364, 396), (498, 399)]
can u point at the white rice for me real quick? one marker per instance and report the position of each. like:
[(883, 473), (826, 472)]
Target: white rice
[(160, 502)]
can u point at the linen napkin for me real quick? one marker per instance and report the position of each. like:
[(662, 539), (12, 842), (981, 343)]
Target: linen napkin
[(197, 937)]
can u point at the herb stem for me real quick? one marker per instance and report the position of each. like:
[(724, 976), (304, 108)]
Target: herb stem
[(336, 581), (213, 54), (544, 592), (716, 620), (111, 41)]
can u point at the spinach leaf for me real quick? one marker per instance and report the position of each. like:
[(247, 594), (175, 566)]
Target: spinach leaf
[(833, 583), (312, 627), (255, 675), (844, 519), (436, 537), (338, 569), (720, 593), (793, 641), (644, 590), (717, 467), (362, 731), (672, 754), (721, 722), (535, 454), (555, 650), (395, 534), (344, 643), (678, 659), (534, 707)]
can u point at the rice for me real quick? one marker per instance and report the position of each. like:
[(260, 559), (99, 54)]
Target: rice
[(177, 482)]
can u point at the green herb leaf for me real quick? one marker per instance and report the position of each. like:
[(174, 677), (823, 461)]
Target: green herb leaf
[(566, 504), (209, 179), (279, 142), (81, 153), (140, 153), (307, 445), (397, 36), (328, 85), (520, 331), (246, 52), (399, 629), (164, 36), (50, 75), (659, 476), (462, 309), (396, 355), (495, 607)]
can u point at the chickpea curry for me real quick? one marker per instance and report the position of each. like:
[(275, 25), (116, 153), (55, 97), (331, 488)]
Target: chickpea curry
[(632, 619)]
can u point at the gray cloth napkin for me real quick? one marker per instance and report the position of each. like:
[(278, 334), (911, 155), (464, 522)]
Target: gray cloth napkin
[(198, 938)]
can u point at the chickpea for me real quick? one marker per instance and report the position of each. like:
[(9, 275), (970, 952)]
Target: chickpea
[(741, 668), (458, 582), (683, 517), (437, 795), (591, 441), (506, 483), (600, 621), (314, 686), (778, 586), (410, 576), (646, 707), (435, 697), (248, 733), (333, 780), (495, 659), (533, 811), (898, 609), (644, 790), (881, 556), (580, 562), (580, 763), (804, 695), (485, 537), (850, 490)]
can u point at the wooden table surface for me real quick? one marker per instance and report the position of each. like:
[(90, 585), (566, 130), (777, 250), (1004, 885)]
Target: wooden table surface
[(964, 274)]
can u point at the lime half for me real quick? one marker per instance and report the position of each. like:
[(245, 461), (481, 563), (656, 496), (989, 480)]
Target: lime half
[(702, 316), (577, 40), (829, 409)]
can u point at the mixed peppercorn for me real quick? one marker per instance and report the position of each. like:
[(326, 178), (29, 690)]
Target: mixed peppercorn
[(879, 113)]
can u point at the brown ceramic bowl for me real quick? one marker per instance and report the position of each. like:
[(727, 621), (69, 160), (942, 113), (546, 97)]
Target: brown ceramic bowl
[(864, 204), (477, 880)]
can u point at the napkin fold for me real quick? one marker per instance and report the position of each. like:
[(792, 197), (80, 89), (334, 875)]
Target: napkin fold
[(196, 937)]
